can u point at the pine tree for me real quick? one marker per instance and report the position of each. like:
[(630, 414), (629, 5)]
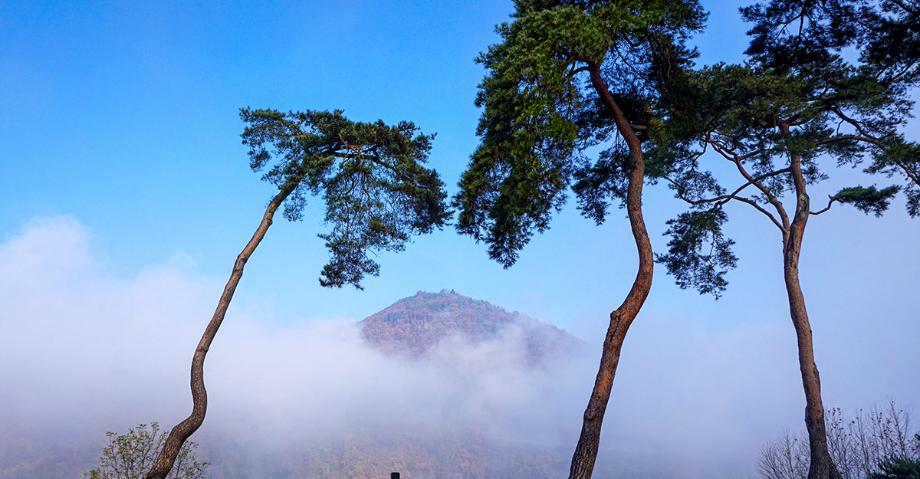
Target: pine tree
[(802, 103), (570, 78), (377, 193)]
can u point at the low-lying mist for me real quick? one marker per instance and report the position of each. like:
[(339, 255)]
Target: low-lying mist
[(85, 351)]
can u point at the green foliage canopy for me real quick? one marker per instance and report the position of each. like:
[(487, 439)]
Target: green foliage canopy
[(542, 121), (821, 88), (372, 177)]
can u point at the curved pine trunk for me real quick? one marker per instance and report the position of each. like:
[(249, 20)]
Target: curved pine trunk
[(585, 455), (821, 465), (182, 431)]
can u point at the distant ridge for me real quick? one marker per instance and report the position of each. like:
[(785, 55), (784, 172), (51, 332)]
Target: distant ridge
[(413, 326)]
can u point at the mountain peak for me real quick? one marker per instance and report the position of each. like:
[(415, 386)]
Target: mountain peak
[(414, 325)]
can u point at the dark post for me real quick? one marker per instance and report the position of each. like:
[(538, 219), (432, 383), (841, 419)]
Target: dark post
[(394, 475)]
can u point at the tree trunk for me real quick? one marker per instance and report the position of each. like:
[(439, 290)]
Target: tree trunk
[(821, 465), (181, 432), (620, 319)]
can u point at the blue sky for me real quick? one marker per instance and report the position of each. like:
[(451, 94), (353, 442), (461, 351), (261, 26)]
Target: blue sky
[(124, 116)]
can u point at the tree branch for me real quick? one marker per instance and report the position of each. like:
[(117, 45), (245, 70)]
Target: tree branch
[(764, 211), (737, 160), (909, 172), (723, 199), (866, 137), (859, 128), (845, 137), (575, 71), (830, 201)]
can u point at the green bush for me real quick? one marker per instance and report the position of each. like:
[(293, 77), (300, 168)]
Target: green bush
[(130, 456)]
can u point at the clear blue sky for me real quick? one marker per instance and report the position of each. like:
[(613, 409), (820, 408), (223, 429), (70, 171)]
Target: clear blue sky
[(124, 115)]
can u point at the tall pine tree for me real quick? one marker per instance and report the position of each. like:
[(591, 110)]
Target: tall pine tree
[(568, 79), (823, 87)]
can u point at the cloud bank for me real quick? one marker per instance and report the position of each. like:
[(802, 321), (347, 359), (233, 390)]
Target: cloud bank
[(85, 349)]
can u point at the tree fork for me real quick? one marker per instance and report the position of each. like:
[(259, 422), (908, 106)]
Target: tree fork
[(821, 465), (182, 431)]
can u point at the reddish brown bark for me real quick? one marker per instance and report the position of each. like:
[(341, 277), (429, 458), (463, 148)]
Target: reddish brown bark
[(181, 432), (821, 466), (585, 455)]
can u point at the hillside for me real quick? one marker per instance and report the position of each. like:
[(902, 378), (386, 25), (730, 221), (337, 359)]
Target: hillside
[(415, 325)]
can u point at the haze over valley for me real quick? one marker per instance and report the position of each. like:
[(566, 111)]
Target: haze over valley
[(435, 383)]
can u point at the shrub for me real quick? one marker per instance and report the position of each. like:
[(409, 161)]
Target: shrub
[(130, 456), (862, 447)]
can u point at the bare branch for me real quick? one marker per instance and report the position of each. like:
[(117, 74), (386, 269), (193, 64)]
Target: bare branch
[(737, 160), (830, 201), (723, 199), (763, 210)]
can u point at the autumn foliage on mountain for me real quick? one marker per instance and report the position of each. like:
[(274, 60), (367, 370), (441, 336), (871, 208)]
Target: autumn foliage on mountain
[(413, 326)]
